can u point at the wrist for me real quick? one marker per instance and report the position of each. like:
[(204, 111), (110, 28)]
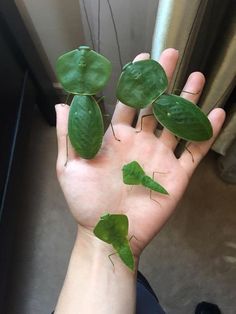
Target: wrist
[(97, 251), (93, 284)]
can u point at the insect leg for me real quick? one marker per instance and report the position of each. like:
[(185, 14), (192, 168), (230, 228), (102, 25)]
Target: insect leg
[(186, 147), (100, 99), (191, 93), (67, 98), (185, 91), (144, 116), (133, 236), (109, 256), (113, 132), (153, 178), (150, 195)]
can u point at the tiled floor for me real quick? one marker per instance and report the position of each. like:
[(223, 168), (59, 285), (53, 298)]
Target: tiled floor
[(193, 258)]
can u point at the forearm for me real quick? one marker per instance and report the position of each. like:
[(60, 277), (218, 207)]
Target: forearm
[(93, 284)]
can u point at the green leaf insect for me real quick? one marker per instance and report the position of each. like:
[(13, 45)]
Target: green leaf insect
[(133, 174), (83, 71), (113, 229), (85, 126), (182, 117), (141, 82), (144, 82)]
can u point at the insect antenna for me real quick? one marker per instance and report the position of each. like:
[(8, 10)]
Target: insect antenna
[(89, 26), (99, 27), (116, 34), (144, 116)]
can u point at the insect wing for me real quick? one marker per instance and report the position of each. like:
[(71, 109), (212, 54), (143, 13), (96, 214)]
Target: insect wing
[(111, 228), (85, 126), (120, 225), (153, 185), (182, 118), (103, 230), (141, 83), (132, 173), (83, 71), (125, 253)]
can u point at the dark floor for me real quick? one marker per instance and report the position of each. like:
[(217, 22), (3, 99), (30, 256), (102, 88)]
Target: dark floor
[(193, 258)]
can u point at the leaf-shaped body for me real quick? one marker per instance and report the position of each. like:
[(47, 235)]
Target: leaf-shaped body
[(148, 182), (85, 126), (132, 173), (83, 71), (182, 118), (113, 229), (141, 82)]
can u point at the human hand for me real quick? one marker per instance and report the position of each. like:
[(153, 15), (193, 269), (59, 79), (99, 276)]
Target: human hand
[(93, 187)]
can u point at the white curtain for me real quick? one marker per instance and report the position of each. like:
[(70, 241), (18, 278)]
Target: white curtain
[(204, 32)]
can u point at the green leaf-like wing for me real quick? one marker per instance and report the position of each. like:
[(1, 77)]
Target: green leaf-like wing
[(182, 118), (153, 185), (83, 71), (85, 126), (132, 173), (141, 82), (112, 228), (125, 253)]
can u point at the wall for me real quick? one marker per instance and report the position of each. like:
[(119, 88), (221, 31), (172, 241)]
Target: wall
[(55, 26)]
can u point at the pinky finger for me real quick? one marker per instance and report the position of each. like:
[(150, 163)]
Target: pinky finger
[(199, 150)]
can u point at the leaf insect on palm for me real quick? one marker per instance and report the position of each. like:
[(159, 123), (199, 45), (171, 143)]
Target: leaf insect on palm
[(142, 83), (133, 174)]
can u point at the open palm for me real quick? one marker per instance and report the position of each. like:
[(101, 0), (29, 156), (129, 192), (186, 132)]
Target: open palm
[(93, 187)]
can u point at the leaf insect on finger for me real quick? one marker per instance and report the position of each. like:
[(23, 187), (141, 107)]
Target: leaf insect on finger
[(142, 83), (133, 174), (113, 229), (83, 73)]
